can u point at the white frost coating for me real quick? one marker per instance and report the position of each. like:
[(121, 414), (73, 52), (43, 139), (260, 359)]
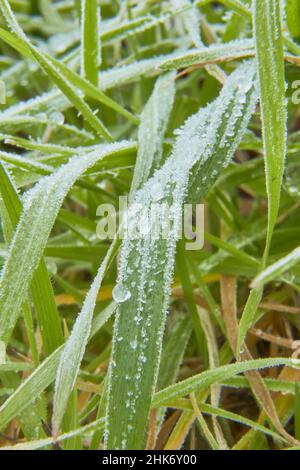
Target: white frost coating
[(54, 71), (154, 122), (96, 43), (146, 266), (267, 26), (41, 103), (125, 74), (18, 123), (117, 76), (191, 20), (276, 269), (40, 209), (75, 346), (27, 163)]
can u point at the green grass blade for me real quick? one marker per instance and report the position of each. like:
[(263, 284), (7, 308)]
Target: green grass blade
[(293, 17), (213, 54), (140, 317), (154, 122), (61, 81), (41, 287), (41, 443), (277, 269), (30, 389), (66, 73), (210, 377), (75, 346), (41, 378), (268, 36), (40, 210), (187, 287), (184, 404)]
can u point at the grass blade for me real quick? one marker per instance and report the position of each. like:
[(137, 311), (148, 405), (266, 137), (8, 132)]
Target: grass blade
[(268, 36), (154, 122), (293, 17), (39, 444), (41, 287), (30, 389), (277, 269), (40, 210), (61, 81), (75, 346), (213, 54), (140, 318), (210, 377), (90, 40)]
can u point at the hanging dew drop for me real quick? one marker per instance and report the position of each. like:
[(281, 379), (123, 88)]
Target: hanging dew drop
[(157, 192), (120, 294)]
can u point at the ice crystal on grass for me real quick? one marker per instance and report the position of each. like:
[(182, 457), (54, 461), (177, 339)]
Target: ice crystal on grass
[(154, 122), (196, 152), (120, 294), (41, 206)]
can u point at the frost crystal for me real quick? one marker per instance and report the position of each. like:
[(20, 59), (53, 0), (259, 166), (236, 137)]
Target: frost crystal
[(204, 146), (120, 294)]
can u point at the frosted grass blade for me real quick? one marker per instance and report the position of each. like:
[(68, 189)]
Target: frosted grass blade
[(277, 269), (40, 209), (191, 20), (75, 346), (154, 122), (41, 287), (210, 377), (66, 86), (64, 77), (293, 17), (41, 377), (213, 54), (39, 444), (143, 284), (30, 389), (268, 37)]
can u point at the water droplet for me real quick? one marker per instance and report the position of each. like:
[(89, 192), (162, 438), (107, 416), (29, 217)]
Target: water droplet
[(133, 344), (57, 117), (120, 294)]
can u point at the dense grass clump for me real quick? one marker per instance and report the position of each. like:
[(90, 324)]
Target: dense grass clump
[(111, 109)]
